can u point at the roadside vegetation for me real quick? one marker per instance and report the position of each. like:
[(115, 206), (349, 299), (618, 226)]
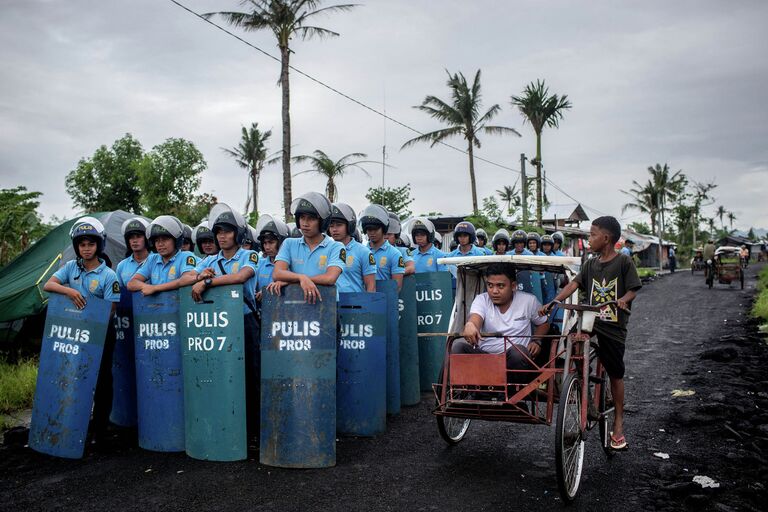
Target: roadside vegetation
[(17, 388), (760, 308)]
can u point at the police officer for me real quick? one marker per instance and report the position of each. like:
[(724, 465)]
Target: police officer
[(136, 251), (464, 235), (80, 279), (233, 265), (315, 258), (393, 237), (390, 264), (438, 241), (404, 240), (167, 267), (187, 244), (558, 240), (271, 234), (359, 274), (500, 242), (426, 254), (205, 243), (482, 241), (534, 243), (519, 242)]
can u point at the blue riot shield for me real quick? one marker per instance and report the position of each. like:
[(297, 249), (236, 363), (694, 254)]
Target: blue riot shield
[(159, 381), (389, 289), (410, 392), (434, 302), (70, 356), (361, 384), (124, 365), (213, 359), (298, 379)]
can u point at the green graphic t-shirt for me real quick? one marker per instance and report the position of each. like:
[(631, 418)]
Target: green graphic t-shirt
[(604, 282)]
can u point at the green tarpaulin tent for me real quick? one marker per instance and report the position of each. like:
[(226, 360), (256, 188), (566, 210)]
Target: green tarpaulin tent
[(22, 280)]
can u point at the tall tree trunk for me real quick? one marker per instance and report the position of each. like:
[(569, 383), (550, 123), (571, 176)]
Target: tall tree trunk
[(255, 175), (287, 191), (538, 180), (471, 152), (330, 190)]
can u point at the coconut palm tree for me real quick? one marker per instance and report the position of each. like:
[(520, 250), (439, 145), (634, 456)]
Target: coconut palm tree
[(286, 19), (462, 115), (669, 187), (541, 109), (721, 212), (251, 154), (332, 170), (644, 199), (508, 195), (731, 218)]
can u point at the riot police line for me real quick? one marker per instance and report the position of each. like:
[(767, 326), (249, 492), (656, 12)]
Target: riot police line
[(315, 335)]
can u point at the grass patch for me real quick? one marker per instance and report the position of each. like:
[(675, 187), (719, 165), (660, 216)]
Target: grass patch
[(17, 387), (760, 307), (644, 272)]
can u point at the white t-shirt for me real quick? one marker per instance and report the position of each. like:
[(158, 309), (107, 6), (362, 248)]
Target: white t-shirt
[(515, 323)]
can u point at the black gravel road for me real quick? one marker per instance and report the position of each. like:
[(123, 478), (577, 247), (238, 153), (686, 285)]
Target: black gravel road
[(682, 336)]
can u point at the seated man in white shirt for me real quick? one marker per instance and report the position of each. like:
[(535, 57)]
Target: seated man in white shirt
[(507, 310)]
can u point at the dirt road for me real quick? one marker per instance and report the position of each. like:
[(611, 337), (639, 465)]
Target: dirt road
[(682, 336)]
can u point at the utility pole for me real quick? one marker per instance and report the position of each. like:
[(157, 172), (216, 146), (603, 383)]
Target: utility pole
[(524, 188), (383, 163), (658, 227)]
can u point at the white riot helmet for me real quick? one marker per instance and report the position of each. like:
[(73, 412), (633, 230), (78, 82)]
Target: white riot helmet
[(405, 240), (270, 225), (88, 227), (135, 225), (480, 233), (165, 225), (342, 212), (425, 225), (438, 240), (394, 224), (313, 203), (374, 215), (222, 215)]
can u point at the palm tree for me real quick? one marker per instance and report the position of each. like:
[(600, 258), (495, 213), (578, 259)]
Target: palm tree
[(721, 212), (508, 195), (332, 170), (668, 187), (711, 224), (462, 115), (286, 19), (251, 154), (540, 109), (731, 218), (644, 199)]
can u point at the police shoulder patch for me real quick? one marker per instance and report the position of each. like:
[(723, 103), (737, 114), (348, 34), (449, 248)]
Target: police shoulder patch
[(371, 259), (401, 262), (343, 255), (254, 258), (115, 287), (191, 260)]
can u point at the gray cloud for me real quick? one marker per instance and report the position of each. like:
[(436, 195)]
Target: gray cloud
[(676, 82)]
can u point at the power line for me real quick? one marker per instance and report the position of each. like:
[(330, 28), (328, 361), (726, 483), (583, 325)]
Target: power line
[(367, 107)]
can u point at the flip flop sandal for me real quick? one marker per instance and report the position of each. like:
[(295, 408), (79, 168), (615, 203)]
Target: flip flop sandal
[(618, 443)]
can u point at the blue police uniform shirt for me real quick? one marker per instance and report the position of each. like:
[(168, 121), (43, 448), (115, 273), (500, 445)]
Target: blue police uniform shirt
[(100, 282), (241, 259), (360, 263), (558, 253), (388, 260), (266, 267), (625, 250), (427, 261), (301, 260), (127, 268), (205, 262), (487, 251), (406, 253), (154, 271), (525, 252), (474, 251)]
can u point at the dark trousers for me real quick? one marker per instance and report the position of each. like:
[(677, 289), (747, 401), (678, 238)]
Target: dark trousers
[(515, 359), (252, 374), (102, 398)]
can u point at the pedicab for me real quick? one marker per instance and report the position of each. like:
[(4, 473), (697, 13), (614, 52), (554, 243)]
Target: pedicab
[(566, 379), (697, 262), (726, 267)]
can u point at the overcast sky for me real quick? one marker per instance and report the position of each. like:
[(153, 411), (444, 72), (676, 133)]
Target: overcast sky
[(678, 82)]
